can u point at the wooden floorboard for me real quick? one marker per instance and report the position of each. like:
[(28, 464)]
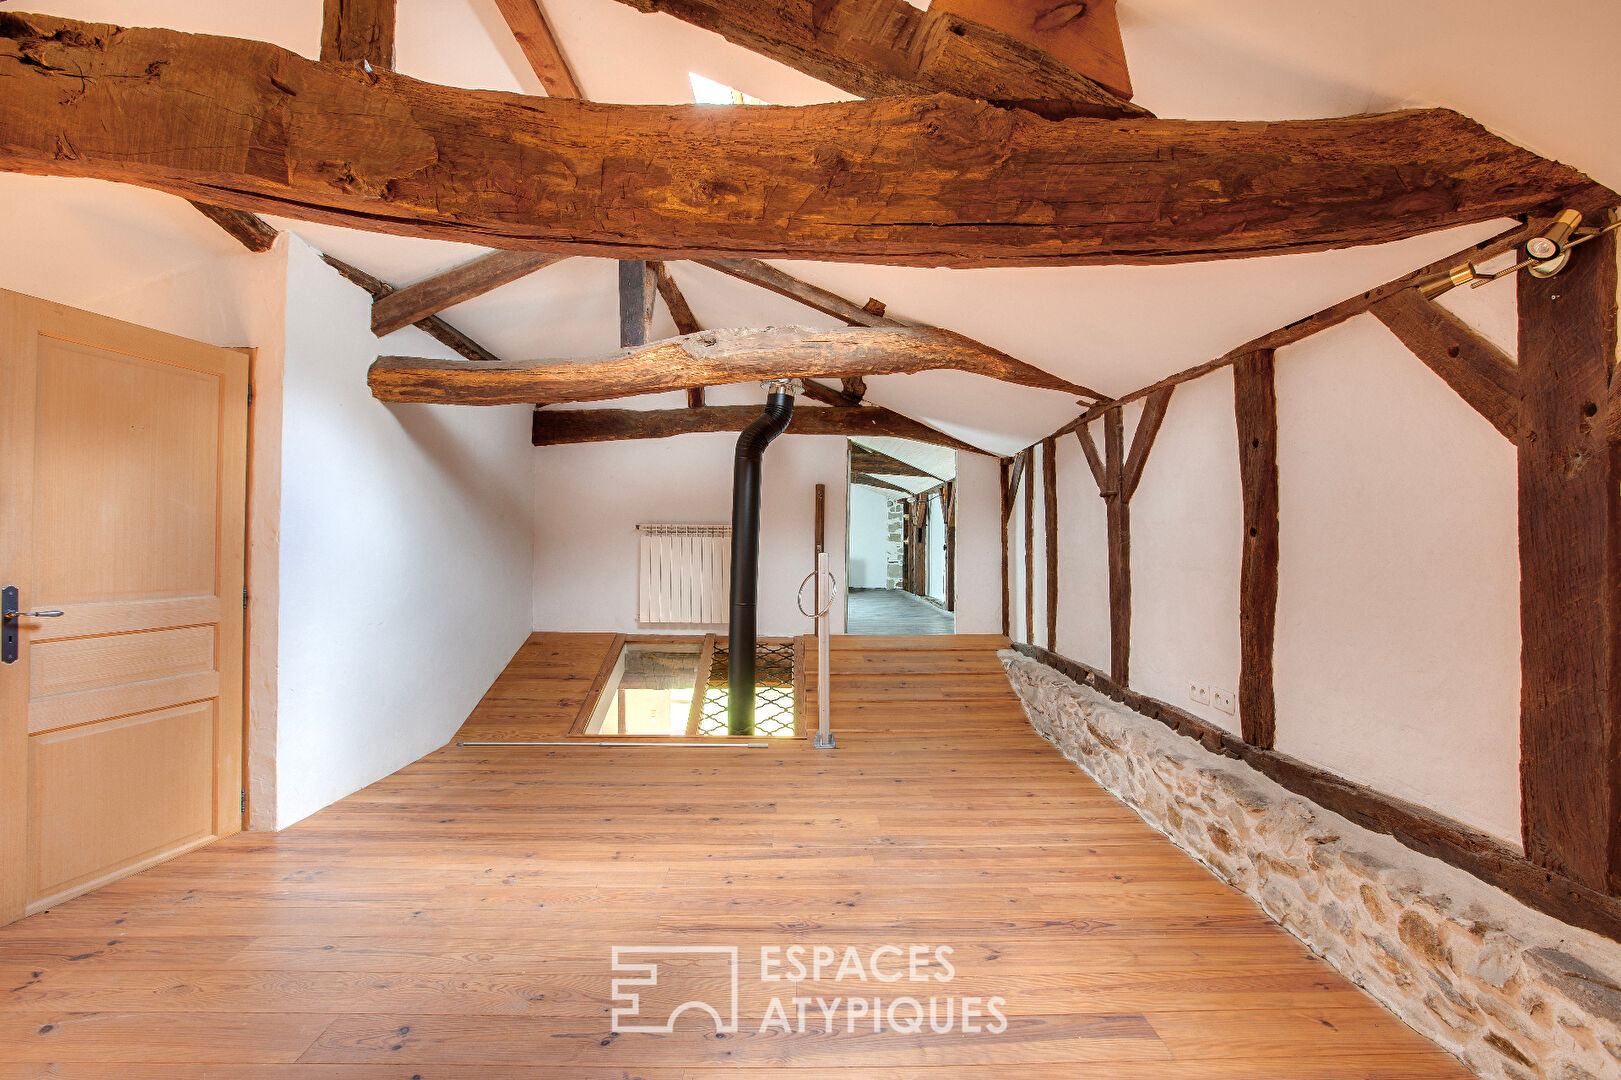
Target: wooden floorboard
[(454, 920)]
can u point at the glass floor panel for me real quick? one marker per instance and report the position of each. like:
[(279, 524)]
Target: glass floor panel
[(678, 688)]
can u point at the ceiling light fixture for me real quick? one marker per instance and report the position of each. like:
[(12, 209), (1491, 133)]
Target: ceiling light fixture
[(1548, 254)]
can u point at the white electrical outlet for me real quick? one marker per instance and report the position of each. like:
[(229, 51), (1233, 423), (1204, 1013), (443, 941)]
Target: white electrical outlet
[(1223, 700), (1199, 692)]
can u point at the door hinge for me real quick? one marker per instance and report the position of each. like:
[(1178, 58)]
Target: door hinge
[(250, 393), (244, 598), (244, 802)]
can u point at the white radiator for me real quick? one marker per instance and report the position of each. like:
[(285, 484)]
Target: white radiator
[(685, 574)]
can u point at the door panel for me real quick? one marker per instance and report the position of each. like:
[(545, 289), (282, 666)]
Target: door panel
[(123, 456), (108, 798)]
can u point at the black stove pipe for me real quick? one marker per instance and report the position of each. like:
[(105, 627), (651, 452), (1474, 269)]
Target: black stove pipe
[(779, 409)]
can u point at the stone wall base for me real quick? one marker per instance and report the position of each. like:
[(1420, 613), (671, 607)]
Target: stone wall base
[(1511, 992)]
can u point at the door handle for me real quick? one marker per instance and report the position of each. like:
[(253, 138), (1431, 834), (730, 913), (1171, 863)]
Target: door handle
[(8, 622)]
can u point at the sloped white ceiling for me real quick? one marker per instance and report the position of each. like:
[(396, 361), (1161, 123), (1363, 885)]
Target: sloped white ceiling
[(1111, 328)]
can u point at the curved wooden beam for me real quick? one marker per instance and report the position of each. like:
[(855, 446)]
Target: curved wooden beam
[(556, 427), (707, 358), (886, 48), (924, 181)]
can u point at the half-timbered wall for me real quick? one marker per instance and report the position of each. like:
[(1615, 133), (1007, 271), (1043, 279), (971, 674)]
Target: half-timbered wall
[(1397, 644)]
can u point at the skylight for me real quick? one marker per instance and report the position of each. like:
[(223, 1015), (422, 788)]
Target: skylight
[(709, 92)]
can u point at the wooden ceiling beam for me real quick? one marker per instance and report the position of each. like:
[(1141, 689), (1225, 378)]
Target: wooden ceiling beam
[(924, 181), (527, 21), (675, 300), (358, 31), (413, 303), (877, 463), (560, 426), (827, 395), (1478, 371), (249, 230), (1508, 240), (782, 283), (636, 293), (1084, 37), (709, 358), (874, 482), (433, 325), (888, 48)]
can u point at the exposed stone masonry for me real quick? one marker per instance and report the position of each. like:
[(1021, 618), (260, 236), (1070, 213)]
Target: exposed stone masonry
[(1513, 993)]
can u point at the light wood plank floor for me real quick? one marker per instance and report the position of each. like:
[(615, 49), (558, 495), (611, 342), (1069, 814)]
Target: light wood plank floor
[(455, 919)]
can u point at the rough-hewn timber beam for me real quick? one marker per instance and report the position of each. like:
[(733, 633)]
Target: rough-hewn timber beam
[(413, 303), (815, 297), (887, 48), (1570, 570), (876, 463), (557, 426), (1316, 323), (708, 358), (1480, 372), (782, 283), (636, 293), (1255, 408), (433, 325), (675, 300), (827, 395), (926, 181), (353, 31), (528, 24), (873, 482), (249, 230)]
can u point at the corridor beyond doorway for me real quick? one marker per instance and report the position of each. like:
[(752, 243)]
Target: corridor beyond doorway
[(895, 611), (901, 538)]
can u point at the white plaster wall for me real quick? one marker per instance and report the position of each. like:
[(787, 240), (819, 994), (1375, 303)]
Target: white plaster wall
[(589, 499), (1398, 648), (1083, 557), (1187, 521), (978, 560), (936, 577), (867, 561), (404, 559)]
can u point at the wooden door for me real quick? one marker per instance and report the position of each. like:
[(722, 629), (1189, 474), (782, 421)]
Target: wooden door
[(123, 463)]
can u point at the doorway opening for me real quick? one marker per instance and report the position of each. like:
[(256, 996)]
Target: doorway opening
[(901, 538)]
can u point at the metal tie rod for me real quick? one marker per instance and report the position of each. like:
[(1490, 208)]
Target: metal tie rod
[(663, 745)]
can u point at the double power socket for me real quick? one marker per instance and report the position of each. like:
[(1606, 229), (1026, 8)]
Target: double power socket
[(1204, 694)]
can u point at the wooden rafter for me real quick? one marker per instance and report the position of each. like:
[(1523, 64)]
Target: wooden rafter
[(1362, 302), (709, 358), (432, 325), (887, 48), (1255, 406), (558, 426), (358, 31), (867, 480), (250, 230), (1481, 373), (636, 293), (876, 463), (1084, 37), (413, 303), (527, 21), (1570, 570), (935, 181), (675, 300), (815, 297)]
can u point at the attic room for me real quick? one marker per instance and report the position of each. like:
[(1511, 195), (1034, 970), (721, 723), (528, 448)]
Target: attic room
[(680, 538)]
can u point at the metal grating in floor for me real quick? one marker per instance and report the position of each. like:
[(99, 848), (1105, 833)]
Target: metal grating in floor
[(773, 691)]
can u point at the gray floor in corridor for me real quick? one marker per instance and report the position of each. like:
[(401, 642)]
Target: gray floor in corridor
[(894, 611)]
